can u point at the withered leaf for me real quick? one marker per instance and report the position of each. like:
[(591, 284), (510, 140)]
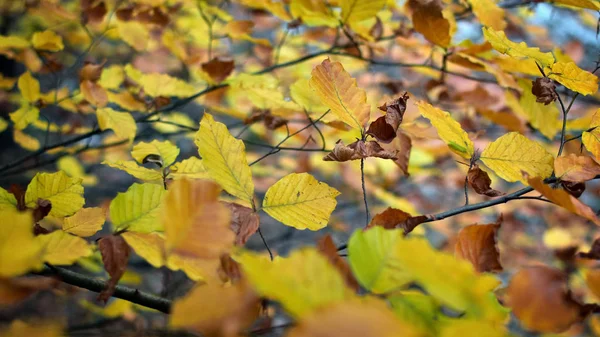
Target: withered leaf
[(384, 128), (401, 146), (91, 72), (153, 15), (19, 194), (540, 298), (115, 254), (42, 209), (544, 90), (326, 246), (389, 219), (219, 68), (92, 11), (574, 189), (574, 168), (480, 182), (411, 223), (593, 253), (477, 244), (244, 222), (358, 150), (271, 121)]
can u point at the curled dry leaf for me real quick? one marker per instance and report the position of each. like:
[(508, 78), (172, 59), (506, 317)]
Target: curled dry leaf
[(244, 222), (480, 182), (574, 189), (91, 72), (593, 253), (389, 219), (411, 223), (358, 150), (271, 121), (219, 68), (385, 127), (477, 244), (326, 246), (574, 168), (541, 300), (42, 208), (115, 253), (544, 90), (92, 11)]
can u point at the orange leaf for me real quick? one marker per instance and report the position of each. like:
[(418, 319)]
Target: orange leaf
[(480, 182), (477, 244), (576, 168), (390, 218)]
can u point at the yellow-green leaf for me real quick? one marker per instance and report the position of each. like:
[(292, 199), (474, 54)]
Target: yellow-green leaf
[(19, 249), (165, 149), (138, 209), (298, 200), (301, 282), (7, 200), (373, 260), (189, 168), (29, 87), (303, 95), (61, 248), (136, 170), (354, 11), (86, 222), (544, 118), (13, 42), (589, 4), (313, 13), (24, 116), (156, 85), (65, 193), (574, 78), (339, 92), (591, 139), (512, 153), (120, 122), (501, 43), (448, 129), (47, 40), (224, 157), (112, 77), (26, 141)]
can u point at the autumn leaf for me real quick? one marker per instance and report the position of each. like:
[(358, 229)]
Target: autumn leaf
[(65, 193), (354, 11), (488, 13), (384, 128), (574, 168), (19, 249), (540, 298), (61, 248), (429, 19), (339, 92), (120, 122), (520, 50), (477, 244), (219, 68), (138, 209), (86, 222), (244, 222), (326, 246), (224, 158), (480, 182), (574, 78), (115, 254), (390, 218), (47, 40), (140, 172), (358, 150), (191, 168), (298, 200), (513, 153), (313, 13), (29, 87), (24, 116), (165, 150)]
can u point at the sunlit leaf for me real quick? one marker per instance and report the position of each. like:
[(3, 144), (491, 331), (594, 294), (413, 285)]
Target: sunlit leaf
[(574, 78), (62, 248), (136, 170), (65, 193), (47, 40), (86, 222), (29, 87), (501, 43), (138, 209), (120, 122), (19, 249)]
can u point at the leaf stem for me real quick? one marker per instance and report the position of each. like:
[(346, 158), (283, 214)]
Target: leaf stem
[(364, 190)]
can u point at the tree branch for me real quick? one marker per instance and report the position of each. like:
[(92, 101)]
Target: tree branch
[(95, 285)]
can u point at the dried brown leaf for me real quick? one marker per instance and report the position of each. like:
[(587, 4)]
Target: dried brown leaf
[(358, 150), (477, 244), (42, 209), (480, 182), (384, 128), (244, 222), (574, 168), (389, 219), (115, 254), (544, 90), (219, 68), (411, 223)]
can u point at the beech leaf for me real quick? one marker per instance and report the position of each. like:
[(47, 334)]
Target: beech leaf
[(477, 244), (115, 254)]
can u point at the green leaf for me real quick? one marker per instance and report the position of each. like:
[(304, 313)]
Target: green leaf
[(138, 209)]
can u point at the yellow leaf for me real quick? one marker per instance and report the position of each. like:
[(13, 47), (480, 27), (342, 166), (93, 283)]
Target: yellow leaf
[(29, 87), (137, 171), (65, 193), (112, 77), (61, 248), (149, 246), (13, 42), (313, 13), (86, 222), (19, 249), (26, 141), (298, 200), (589, 4), (303, 95), (120, 122), (7, 83), (372, 257), (73, 168), (563, 199), (354, 11), (191, 168), (165, 149), (126, 101), (134, 34), (520, 50), (558, 238), (3, 124), (574, 78), (297, 281), (224, 158), (275, 7), (138, 209), (196, 223), (472, 328), (338, 91), (21, 329), (489, 13), (241, 30), (448, 129), (156, 85), (544, 118), (47, 40), (591, 139), (7, 200), (361, 317), (24, 116), (116, 308), (512, 153)]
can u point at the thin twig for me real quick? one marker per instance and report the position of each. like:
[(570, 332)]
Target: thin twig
[(364, 190), (265, 243)]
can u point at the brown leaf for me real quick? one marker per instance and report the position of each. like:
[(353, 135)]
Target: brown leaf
[(125, 13), (42, 209), (477, 244), (19, 194), (384, 128), (219, 68), (115, 253), (229, 270), (153, 15), (428, 19), (480, 182), (574, 189), (401, 146), (389, 219), (14, 290), (244, 222), (94, 93), (326, 246), (92, 11), (411, 223), (91, 72), (545, 90), (576, 168), (540, 298), (358, 150), (593, 253), (271, 121)]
